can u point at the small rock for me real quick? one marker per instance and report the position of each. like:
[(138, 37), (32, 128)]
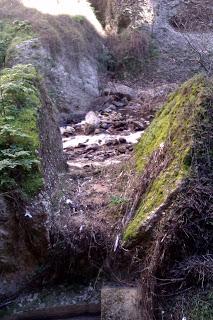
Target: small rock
[(92, 119), (119, 124), (122, 140), (125, 101), (81, 145), (97, 131), (105, 125), (92, 147), (89, 129), (112, 142), (111, 108), (118, 104), (122, 150)]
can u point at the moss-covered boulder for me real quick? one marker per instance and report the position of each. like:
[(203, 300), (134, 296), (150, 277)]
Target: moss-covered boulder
[(174, 156), (30, 159)]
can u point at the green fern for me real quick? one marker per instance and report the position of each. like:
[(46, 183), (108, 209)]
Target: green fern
[(19, 136)]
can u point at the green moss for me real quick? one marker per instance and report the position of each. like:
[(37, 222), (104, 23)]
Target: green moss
[(169, 141), (79, 18), (12, 34), (19, 134)]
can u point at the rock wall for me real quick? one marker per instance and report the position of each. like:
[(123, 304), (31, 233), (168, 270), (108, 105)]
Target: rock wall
[(173, 160), (65, 47), (180, 50), (31, 159)]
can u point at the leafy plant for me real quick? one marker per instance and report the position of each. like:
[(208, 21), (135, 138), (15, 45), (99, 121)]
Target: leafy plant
[(79, 18), (19, 137), (12, 34), (117, 201)]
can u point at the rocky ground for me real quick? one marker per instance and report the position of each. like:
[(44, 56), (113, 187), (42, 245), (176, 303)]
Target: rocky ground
[(99, 150)]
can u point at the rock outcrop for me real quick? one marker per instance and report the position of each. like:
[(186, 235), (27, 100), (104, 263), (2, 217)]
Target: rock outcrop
[(175, 160), (30, 160), (64, 47), (181, 32)]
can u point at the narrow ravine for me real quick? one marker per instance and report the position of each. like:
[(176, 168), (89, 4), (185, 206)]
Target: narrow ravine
[(105, 137)]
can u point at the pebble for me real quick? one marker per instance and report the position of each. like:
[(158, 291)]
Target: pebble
[(122, 140)]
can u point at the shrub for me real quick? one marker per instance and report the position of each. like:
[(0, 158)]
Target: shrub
[(131, 50)]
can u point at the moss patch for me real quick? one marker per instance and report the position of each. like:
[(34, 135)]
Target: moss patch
[(19, 133), (12, 34), (168, 145)]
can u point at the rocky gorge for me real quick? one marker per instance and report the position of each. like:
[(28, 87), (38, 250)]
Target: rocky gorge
[(105, 159)]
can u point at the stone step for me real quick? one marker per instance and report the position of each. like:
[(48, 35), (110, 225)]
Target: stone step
[(120, 303)]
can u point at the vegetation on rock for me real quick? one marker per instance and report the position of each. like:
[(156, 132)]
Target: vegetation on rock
[(170, 146), (12, 34), (19, 135)]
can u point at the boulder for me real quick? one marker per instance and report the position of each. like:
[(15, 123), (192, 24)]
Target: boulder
[(89, 129), (92, 147), (122, 140), (118, 104), (136, 125), (91, 123), (120, 90), (68, 131), (174, 161), (122, 149), (92, 119), (112, 142)]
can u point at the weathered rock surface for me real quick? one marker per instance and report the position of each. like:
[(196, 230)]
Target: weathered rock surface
[(120, 90), (172, 158), (120, 303), (181, 50), (65, 56), (26, 198)]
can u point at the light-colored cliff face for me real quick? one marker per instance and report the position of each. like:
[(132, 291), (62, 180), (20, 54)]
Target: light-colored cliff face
[(65, 49), (181, 31), (65, 7), (184, 46)]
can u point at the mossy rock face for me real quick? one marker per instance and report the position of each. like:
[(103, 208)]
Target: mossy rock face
[(31, 157), (19, 134), (12, 34), (174, 151)]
